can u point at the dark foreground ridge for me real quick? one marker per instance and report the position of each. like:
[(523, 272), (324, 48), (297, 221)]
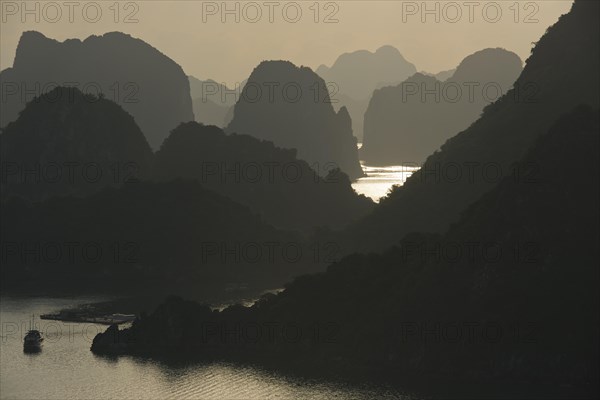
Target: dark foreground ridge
[(433, 197), (517, 308)]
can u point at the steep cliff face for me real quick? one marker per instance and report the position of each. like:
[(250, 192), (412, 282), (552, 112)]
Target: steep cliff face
[(470, 163), (290, 106), (145, 82), (354, 76), (408, 122), (66, 142)]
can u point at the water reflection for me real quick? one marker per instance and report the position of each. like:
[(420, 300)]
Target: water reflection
[(67, 369), (379, 180)]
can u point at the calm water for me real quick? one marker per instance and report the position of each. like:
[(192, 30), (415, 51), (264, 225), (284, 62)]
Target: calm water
[(66, 369), (379, 180)]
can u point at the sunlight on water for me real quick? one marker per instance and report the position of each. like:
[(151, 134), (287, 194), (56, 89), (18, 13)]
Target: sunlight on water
[(379, 180), (67, 369)]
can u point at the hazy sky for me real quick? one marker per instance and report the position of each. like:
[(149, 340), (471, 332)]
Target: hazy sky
[(193, 33)]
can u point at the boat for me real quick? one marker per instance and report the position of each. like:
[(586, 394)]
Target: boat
[(33, 340)]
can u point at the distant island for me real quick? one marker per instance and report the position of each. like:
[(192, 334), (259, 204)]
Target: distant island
[(407, 122), (297, 113)]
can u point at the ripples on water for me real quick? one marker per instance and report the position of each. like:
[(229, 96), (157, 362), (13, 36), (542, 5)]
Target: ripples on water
[(66, 369)]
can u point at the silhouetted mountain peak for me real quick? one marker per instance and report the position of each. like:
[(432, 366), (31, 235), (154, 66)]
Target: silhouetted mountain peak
[(344, 114), (282, 84), (284, 69), (488, 64), (32, 38), (358, 73), (389, 51), (290, 106), (147, 83), (32, 44), (354, 76), (407, 122), (67, 127), (384, 53)]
